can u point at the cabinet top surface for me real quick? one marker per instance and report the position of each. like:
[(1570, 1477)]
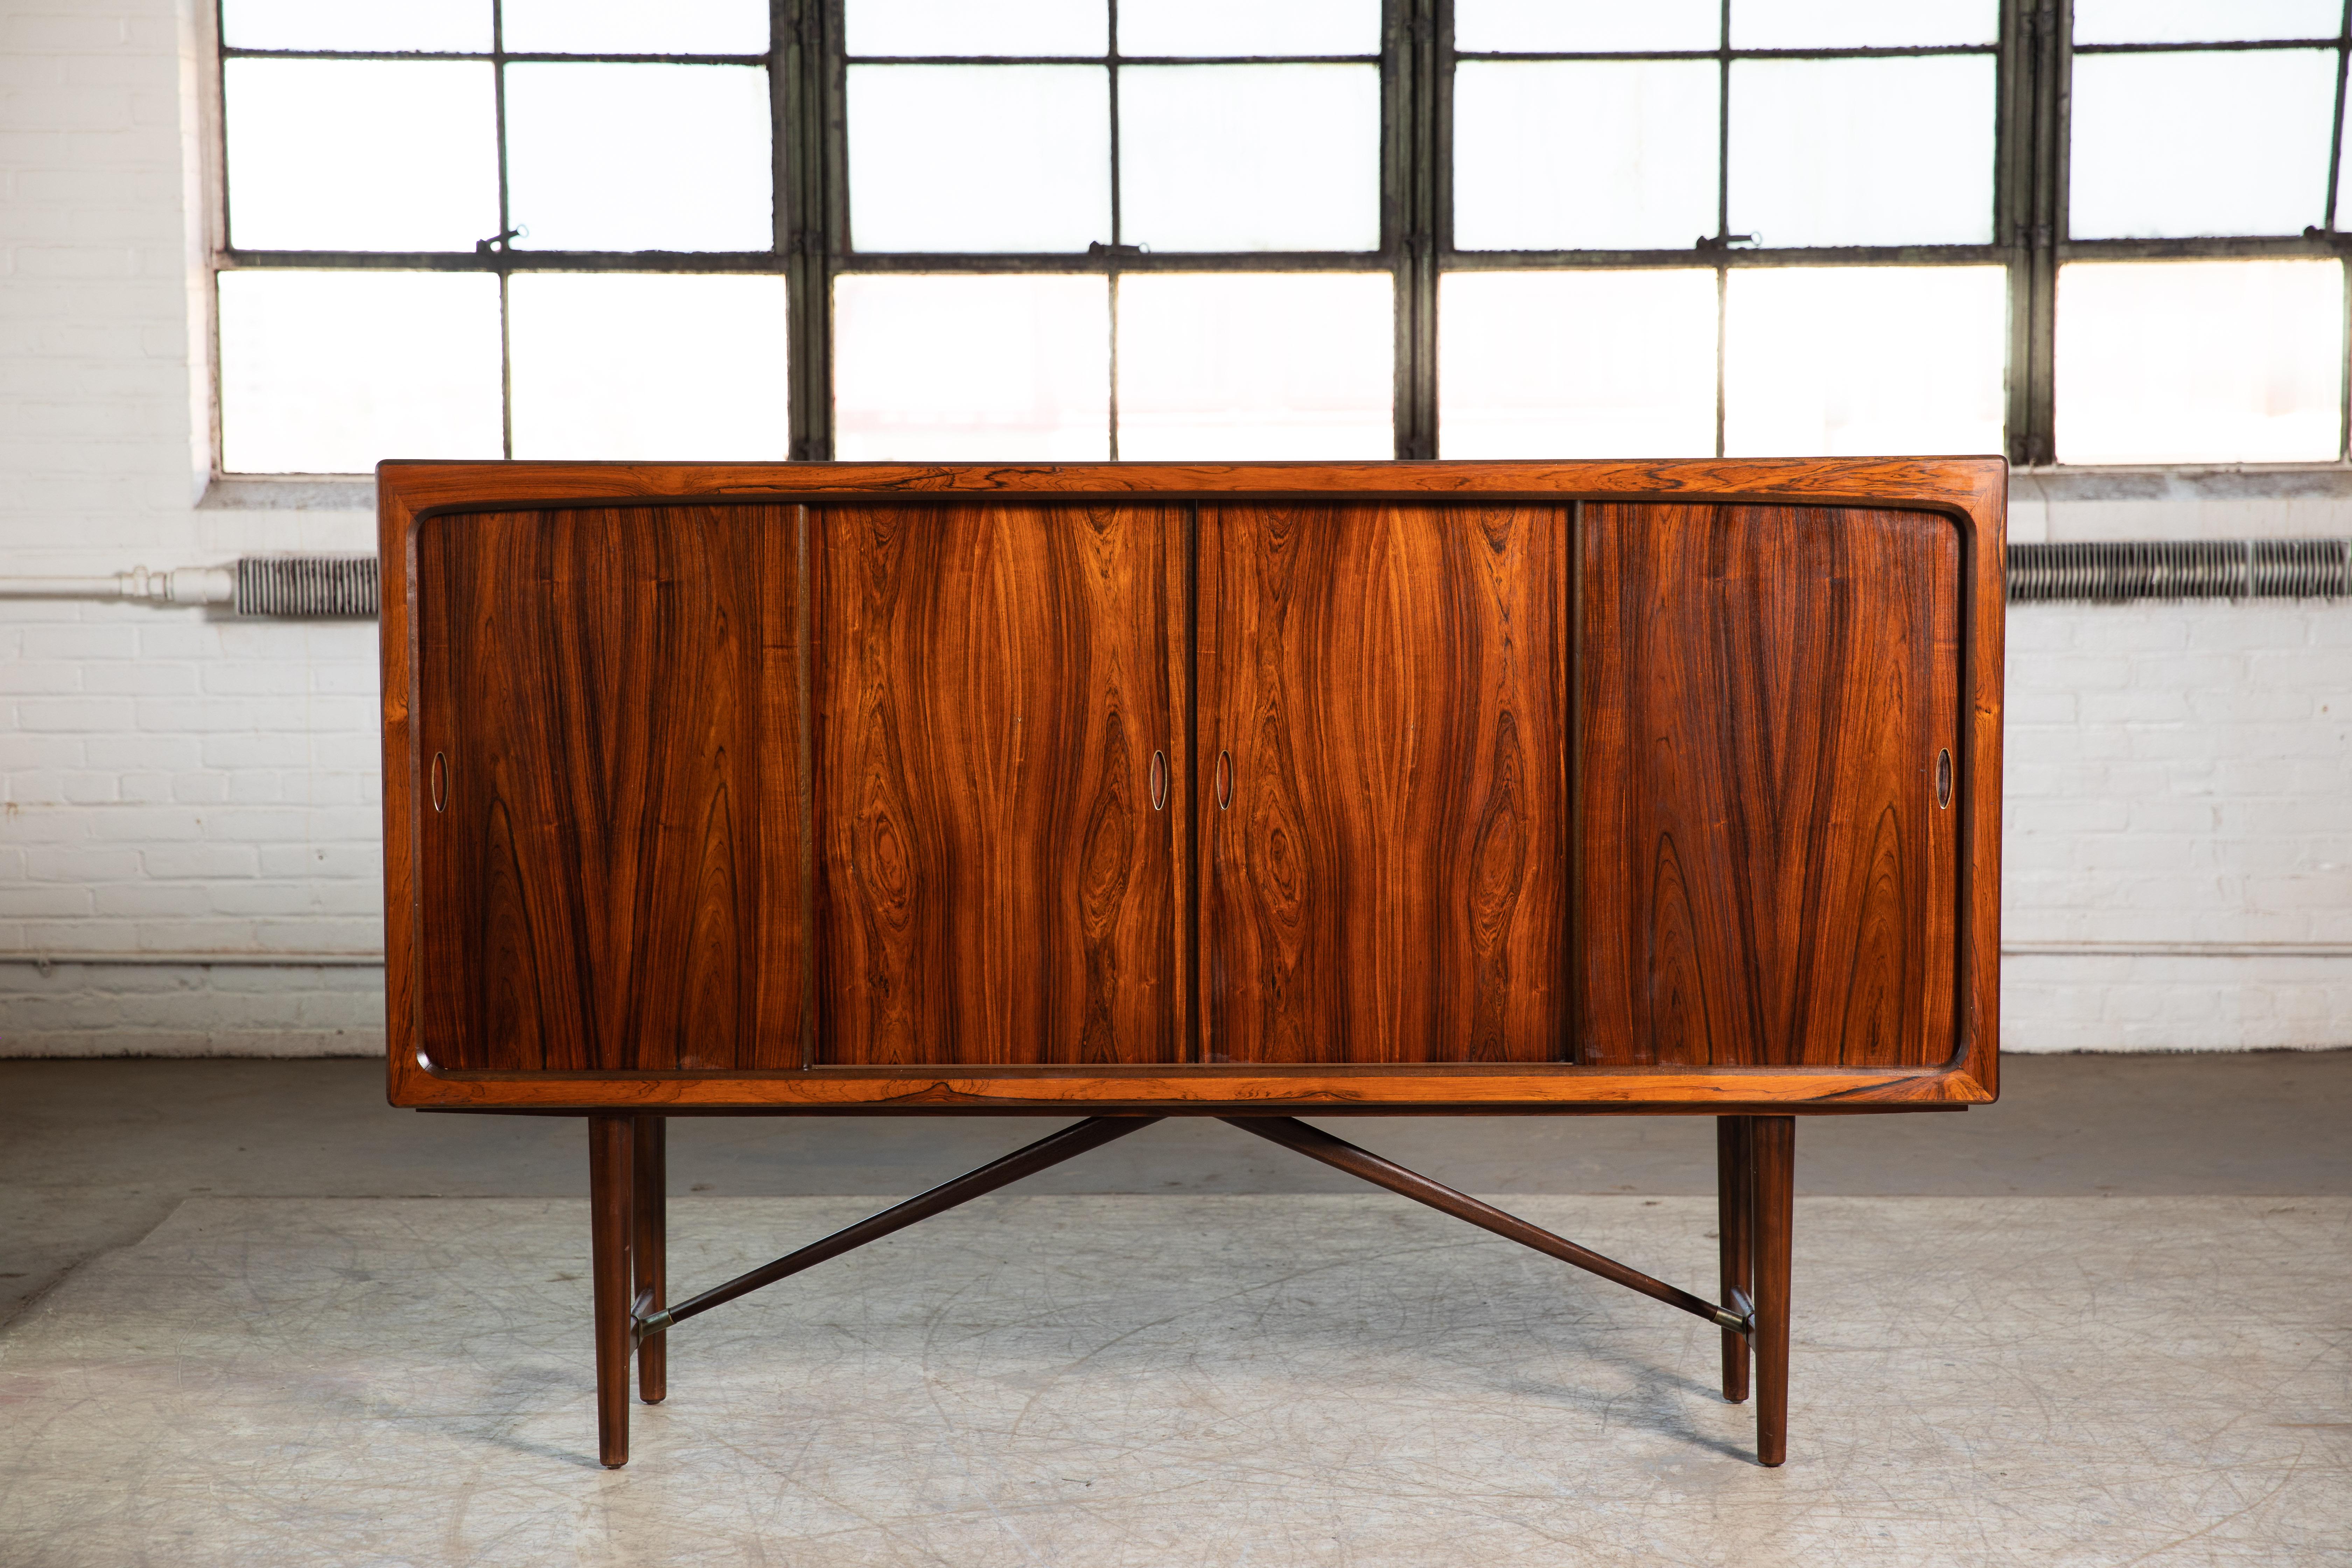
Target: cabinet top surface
[(1975, 486)]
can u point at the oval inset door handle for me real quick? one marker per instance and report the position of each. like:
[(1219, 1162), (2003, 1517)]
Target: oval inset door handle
[(1944, 778), (1159, 781), (440, 782), (1225, 780)]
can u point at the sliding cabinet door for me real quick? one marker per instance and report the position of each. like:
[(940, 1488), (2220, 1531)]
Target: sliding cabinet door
[(998, 691), (608, 783), (1382, 772), (1769, 780)]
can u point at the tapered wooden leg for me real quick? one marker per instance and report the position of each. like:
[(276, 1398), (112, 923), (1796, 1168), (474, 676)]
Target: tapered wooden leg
[(1734, 1207), (1776, 1185), (609, 1202), (650, 1274)]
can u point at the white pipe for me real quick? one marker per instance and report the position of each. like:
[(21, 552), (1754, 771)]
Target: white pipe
[(184, 585)]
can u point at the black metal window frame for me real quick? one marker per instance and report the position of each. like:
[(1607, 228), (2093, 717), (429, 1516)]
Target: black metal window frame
[(2045, 46), (1110, 257), (807, 70)]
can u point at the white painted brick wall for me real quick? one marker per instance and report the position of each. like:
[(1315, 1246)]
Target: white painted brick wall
[(2179, 774), (177, 781), (171, 781), (2179, 785), (192, 1010)]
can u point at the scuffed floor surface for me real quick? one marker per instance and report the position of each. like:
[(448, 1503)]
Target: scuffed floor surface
[(1258, 1380)]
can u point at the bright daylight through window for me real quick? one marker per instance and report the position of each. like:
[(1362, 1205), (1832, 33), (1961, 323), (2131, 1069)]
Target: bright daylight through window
[(1078, 229)]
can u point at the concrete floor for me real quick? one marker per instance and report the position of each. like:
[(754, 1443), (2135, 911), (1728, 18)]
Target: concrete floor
[(94, 1154), (2107, 1320), (1161, 1381)]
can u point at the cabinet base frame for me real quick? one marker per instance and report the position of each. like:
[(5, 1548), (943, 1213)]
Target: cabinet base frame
[(628, 1200)]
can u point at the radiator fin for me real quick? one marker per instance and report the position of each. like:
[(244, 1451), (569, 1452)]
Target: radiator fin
[(2114, 571), (313, 585)]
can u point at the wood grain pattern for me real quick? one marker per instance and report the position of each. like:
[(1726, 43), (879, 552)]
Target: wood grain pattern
[(600, 890), (1772, 1188), (611, 1230), (1765, 872), (650, 1247), (1388, 882), (995, 884), (1313, 1090), (1974, 486), (1735, 1224), (415, 498)]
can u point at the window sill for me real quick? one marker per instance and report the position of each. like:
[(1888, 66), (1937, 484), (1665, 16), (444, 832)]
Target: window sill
[(289, 492), (2185, 481), (2059, 483)]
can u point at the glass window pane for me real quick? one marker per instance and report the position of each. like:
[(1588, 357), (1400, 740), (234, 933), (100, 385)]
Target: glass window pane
[(330, 373), (1255, 365), (978, 28), (645, 157), (2203, 21), (633, 27), (1871, 152), (1862, 24), (1249, 27), (1863, 361), (1584, 155), (619, 365), (361, 154), (1250, 157), (980, 370), (440, 26), (2233, 142), (1577, 364), (1575, 26), (2200, 362), (979, 158)]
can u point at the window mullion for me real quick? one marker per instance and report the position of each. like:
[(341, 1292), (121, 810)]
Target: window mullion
[(1415, 140), (506, 226), (2336, 144), (809, 157), (1722, 211), (2035, 118), (1117, 236)]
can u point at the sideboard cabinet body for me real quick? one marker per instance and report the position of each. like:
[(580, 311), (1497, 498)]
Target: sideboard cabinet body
[(1291, 787)]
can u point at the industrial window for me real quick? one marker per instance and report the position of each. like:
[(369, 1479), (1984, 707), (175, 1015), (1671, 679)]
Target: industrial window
[(1656, 214), (1179, 205), (1069, 229)]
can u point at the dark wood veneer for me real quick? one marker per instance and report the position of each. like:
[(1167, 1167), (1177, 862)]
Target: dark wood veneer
[(996, 883), (1767, 877), (606, 846), (1384, 802), (829, 786)]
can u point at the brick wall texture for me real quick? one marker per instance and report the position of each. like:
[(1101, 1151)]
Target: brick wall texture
[(176, 783)]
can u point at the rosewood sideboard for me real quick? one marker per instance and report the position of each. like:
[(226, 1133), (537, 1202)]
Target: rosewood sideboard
[(1117, 791)]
